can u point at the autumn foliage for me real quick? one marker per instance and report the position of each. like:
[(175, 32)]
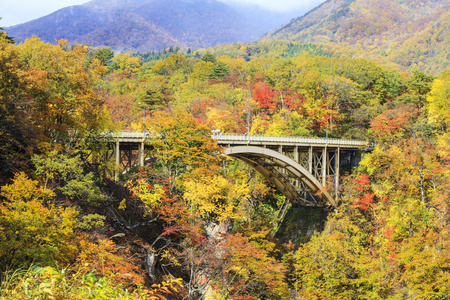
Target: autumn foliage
[(193, 224)]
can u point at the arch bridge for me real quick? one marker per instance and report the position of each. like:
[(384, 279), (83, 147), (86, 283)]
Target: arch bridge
[(305, 170)]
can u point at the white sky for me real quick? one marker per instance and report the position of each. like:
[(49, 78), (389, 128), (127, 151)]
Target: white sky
[(15, 12), (280, 5)]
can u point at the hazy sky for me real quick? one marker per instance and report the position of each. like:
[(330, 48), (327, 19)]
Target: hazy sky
[(15, 12)]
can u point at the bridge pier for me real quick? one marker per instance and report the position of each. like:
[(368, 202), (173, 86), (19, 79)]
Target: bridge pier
[(129, 151), (127, 155), (117, 161), (141, 154), (310, 160), (324, 166), (337, 159)]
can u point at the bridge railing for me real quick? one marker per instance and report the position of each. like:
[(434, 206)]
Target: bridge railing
[(129, 134), (222, 137), (225, 137)]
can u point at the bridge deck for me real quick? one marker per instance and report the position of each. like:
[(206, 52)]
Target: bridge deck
[(242, 139), (231, 139), (302, 168)]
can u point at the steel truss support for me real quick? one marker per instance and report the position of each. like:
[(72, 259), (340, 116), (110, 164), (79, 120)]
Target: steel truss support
[(321, 162), (287, 175)]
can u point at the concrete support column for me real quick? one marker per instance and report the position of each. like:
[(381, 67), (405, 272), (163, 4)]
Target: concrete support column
[(130, 157), (280, 150), (117, 165), (324, 166), (297, 160), (296, 155), (310, 160), (141, 154), (337, 159)]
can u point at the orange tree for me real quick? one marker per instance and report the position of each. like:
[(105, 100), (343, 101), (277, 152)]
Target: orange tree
[(62, 88)]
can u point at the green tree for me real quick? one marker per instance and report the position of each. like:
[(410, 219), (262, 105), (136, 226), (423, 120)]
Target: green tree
[(417, 87), (67, 175), (219, 71), (105, 55), (209, 57)]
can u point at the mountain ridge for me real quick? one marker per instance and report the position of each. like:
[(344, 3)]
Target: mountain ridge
[(134, 25), (414, 34)]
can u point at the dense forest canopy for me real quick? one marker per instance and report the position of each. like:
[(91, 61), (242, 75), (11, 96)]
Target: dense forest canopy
[(193, 223)]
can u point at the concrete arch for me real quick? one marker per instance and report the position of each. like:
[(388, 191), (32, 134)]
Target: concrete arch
[(308, 192)]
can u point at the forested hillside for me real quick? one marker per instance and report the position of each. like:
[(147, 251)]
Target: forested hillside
[(414, 34), (193, 224)]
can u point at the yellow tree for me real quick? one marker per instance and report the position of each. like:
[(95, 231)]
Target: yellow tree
[(63, 87), (181, 143), (31, 229), (126, 64), (438, 104), (214, 196)]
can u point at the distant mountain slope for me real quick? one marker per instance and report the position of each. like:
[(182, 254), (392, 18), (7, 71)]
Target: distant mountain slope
[(144, 25), (412, 33)]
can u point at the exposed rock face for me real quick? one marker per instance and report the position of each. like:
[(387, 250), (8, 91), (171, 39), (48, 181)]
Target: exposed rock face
[(150, 263)]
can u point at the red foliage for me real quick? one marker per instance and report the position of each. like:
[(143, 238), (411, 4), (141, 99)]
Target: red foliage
[(364, 199), (257, 77), (264, 95), (295, 103), (245, 297), (392, 122), (362, 182), (199, 108), (232, 78)]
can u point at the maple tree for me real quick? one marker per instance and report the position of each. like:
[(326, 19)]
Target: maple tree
[(265, 97), (251, 271), (393, 124)]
